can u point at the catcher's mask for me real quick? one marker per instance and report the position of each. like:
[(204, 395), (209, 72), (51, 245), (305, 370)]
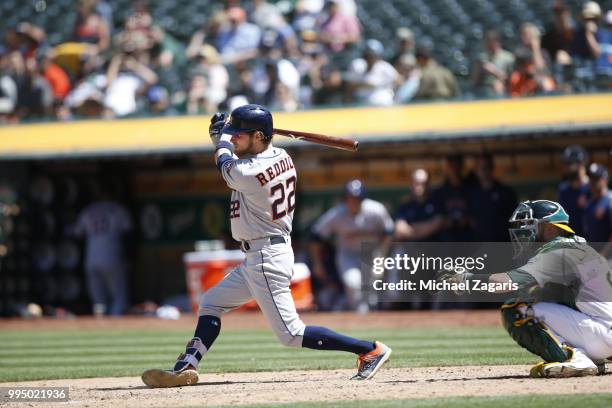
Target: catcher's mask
[(526, 218)]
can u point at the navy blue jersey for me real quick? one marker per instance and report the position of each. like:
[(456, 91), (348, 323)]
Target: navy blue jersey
[(598, 219), (574, 201), (454, 204), (414, 211), (490, 211)]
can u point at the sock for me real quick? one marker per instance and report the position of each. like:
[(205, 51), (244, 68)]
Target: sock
[(322, 338), (208, 329), (206, 332)]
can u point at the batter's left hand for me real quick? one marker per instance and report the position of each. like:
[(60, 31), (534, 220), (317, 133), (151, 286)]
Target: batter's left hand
[(216, 124)]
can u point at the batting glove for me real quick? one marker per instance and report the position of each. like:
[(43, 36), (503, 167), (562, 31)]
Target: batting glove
[(216, 124)]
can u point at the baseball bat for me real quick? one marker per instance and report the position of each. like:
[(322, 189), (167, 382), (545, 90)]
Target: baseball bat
[(325, 140)]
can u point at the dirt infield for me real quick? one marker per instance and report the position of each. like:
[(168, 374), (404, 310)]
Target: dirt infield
[(297, 386), (255, 320)]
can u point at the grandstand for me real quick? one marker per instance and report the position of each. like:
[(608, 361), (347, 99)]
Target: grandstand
[(453, 30)]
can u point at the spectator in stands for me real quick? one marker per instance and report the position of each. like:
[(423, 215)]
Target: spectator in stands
[(106, 12), (127, 79), (207, 33), (209, 82), (585, 44), (8, 94), (452, 200), (167, 47), (277, 34), (90, 27), (557, 39), (370, 78), (330, 90), (54, 74), (604, 63), (274, 80), (598, 213), (348, 7), (491, 203), (197, 95), (238, 40), (493, 68), (138, 35), (437, 82), (573, 192), (409, 79), (262, 12), (419, 219), (527, 79), (241, 89), (405, 44), (87, 95), (305, 16), (12, 41), (168, 62), (530, 44), (339, 29), (31, 38), (34, 94), (311, 61)]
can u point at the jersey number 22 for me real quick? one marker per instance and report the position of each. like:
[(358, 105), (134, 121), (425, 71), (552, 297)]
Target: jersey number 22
[(280, 208)]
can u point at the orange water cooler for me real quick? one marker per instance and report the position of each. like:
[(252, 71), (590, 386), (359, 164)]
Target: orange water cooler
[(204, 269)]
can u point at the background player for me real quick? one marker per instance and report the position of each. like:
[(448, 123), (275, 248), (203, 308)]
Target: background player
[(263, 187), (356, 220), (573, 192), (104, 223), (573, 335)]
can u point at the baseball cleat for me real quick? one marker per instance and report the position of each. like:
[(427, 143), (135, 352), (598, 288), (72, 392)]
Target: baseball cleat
[(168, 378), (578, 365), (601, 366), (369, 363)]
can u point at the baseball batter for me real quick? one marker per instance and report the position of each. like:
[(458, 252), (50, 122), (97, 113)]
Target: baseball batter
[(564, 312), (263, 183)]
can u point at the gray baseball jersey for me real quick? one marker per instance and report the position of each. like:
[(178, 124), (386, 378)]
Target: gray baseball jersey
[(263, 194), (262, 204), (370, 224), (103, 223), (572, 263)]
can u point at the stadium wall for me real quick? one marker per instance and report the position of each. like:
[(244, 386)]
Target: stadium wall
[(177, 197)]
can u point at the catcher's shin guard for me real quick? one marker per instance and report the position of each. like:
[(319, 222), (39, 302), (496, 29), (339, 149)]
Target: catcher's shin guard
[(530, 333)]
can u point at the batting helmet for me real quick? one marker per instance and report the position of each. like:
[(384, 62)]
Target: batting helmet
[(249, 118), (355, 188), (575, 154)]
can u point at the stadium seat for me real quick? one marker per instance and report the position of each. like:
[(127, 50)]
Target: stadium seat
[(454, 29)]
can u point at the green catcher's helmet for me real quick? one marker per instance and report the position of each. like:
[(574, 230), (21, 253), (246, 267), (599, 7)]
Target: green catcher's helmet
[(526, 217)]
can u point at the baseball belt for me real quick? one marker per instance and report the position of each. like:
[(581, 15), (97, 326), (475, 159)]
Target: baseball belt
[(256, 244)]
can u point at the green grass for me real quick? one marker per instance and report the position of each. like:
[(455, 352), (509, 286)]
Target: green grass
[(32, 355), (531, 401)]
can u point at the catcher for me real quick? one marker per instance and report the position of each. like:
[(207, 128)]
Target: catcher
[(563, 312)]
